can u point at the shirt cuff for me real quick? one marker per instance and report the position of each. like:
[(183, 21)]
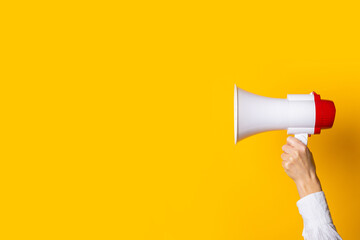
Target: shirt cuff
[(314, 209)]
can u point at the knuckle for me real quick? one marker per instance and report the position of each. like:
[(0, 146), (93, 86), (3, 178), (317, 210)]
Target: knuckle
[(288, 166)]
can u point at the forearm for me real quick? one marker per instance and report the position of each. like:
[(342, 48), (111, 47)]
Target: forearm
[(308, 185)]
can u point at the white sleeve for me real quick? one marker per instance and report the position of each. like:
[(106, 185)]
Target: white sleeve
[(318, 224)]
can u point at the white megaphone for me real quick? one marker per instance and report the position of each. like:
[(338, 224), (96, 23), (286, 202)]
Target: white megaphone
[(299, 114)]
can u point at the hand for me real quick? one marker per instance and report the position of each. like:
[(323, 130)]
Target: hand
[(299, 165)]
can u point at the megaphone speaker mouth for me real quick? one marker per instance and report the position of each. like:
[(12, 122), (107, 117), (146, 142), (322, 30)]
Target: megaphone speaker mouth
[(235, 113)]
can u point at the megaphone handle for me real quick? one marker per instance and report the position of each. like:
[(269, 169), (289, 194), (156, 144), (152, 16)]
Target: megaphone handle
[(303, 137)]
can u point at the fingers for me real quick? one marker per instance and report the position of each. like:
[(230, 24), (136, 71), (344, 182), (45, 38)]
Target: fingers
[(294, 151), (285, 165), (286, 157), (287, 148), (296, 143), (287, 160)]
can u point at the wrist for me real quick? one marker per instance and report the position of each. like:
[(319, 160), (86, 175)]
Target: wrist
[(308, 185)]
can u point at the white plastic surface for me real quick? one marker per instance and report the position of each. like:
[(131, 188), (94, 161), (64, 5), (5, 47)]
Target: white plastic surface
[(303, 137), (235, 113), (254, 114)]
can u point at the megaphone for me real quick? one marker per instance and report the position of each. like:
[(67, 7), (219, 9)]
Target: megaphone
[(299, 114)]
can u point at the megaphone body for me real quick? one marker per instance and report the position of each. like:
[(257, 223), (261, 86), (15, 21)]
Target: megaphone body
[(299, 114)]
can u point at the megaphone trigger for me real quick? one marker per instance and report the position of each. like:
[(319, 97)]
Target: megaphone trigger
[(303, 137)]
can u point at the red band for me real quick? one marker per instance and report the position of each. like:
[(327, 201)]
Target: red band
[(325, 113)]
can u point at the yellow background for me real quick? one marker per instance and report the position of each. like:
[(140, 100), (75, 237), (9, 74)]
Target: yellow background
[(117, 117)]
